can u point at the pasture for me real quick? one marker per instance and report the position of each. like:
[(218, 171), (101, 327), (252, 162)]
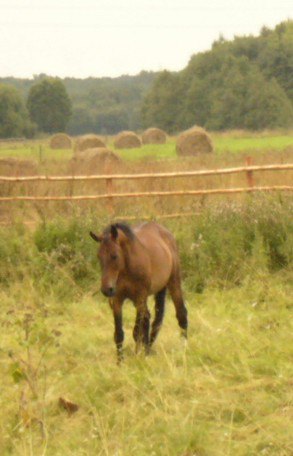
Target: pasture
[(233, 142), (227, 392), (231, 149)]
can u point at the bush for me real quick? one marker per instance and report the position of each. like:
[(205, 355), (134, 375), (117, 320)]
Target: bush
[(234, 241), (222, 247)]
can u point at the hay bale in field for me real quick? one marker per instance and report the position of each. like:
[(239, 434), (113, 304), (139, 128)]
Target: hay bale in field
[(95, 160), (17, 167), (88, 142), (194, 142), (60, 141), (154, 136), (127, 140)]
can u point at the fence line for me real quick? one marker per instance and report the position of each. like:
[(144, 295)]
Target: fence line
[(217, 191), (204, 172)]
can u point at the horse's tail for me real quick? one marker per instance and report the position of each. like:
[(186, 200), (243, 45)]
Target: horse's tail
[(159, 314)]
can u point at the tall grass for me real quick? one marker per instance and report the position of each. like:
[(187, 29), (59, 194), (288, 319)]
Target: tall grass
[(221, 245), (229, 392)]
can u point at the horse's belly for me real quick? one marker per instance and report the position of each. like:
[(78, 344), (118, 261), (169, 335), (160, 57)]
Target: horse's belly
[(159, 284), (161, 272)]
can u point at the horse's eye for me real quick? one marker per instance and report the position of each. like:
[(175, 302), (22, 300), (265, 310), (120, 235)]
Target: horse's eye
[(114, 257)]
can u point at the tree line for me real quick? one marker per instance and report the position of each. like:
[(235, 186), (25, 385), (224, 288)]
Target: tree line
[(77, 106), (243, 83)]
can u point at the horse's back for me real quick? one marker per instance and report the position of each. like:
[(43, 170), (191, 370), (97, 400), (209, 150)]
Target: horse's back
[(162, 250), (154, 232)]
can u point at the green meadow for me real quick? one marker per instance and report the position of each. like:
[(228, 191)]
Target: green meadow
[(227, 392), (232, 142)]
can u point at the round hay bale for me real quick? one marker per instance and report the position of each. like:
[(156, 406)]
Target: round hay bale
[(88, 142), (60, 141), (93, 160), (154, 136), (17, 167), (194, 142), (127, 140)]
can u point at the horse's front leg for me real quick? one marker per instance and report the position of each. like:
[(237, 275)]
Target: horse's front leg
[(142, 324), (116, 305)]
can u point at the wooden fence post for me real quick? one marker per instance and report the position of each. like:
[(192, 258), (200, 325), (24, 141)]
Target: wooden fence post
[(249, 174)]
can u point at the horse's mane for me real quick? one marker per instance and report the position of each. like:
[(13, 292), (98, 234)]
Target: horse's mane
[(123, 227)]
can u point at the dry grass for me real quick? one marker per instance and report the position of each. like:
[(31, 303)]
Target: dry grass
[(93, 161), (142, 207), (149, 158)]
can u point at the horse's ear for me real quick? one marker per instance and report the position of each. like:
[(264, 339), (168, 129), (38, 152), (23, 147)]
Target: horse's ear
[(114, 232), (95, 237)]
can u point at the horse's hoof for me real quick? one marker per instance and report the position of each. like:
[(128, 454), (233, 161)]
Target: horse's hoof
[(147, 350), (150, 352), (184, 334), (120, 357)]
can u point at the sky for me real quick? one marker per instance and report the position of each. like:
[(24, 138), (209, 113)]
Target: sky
[(83, 38)]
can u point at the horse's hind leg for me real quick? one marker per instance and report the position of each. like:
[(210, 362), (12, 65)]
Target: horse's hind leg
[(142, 325), (174, 287), (159, 314)]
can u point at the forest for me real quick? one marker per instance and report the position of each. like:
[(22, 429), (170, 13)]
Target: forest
[(244, 83)]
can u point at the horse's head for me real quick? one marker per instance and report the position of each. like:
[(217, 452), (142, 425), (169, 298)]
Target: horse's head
[(111, 258)]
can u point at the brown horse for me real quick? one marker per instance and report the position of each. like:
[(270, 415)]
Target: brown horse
[(136, 263)]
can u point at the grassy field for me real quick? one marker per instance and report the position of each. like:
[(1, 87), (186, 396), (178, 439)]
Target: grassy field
[(228, 392), (233, 142)]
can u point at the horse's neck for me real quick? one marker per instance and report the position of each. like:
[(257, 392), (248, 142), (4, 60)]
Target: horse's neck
[(135, 255)]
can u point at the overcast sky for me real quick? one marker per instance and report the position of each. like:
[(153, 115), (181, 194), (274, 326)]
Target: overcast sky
[(82, 38)]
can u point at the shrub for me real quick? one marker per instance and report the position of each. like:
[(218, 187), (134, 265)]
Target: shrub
[(221, 247)]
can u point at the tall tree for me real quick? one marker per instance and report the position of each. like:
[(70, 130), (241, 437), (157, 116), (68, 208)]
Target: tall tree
[(246, 99), (161, 105), (14, 118), (49, 105)]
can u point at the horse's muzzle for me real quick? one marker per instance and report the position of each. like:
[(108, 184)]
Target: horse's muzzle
[(108, 292)]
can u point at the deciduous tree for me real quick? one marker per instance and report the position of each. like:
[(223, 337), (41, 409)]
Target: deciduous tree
[(49, 105), (14, 118)]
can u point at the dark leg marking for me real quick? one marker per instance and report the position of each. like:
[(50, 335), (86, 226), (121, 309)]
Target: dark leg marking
[(181, 311), (142, 328), (159, 314), (118, 334), (136, 328)]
